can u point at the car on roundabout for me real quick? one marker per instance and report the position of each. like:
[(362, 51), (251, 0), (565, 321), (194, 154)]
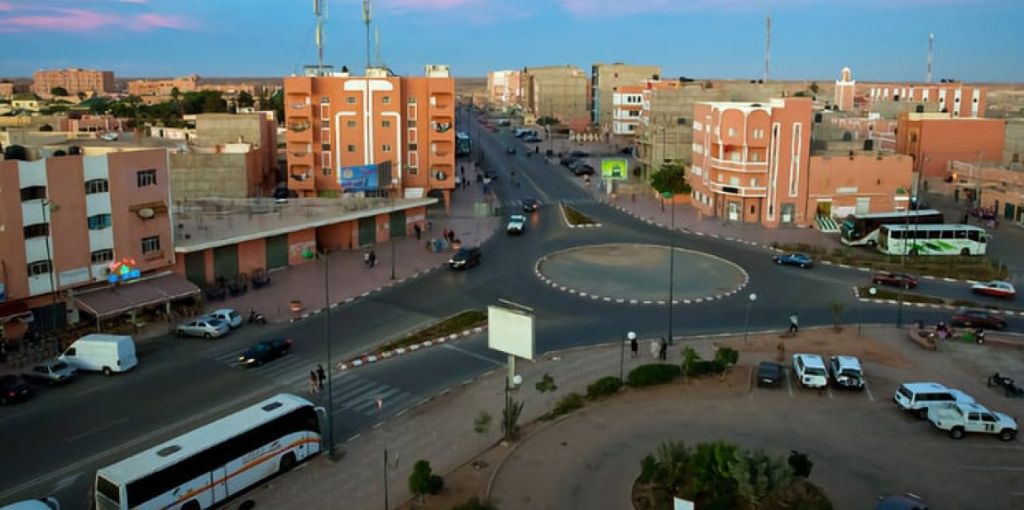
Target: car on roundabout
[(516, 224), (794, 259), (901, 280), (995, 288), (968, 317), (465, 258), (264, 351)]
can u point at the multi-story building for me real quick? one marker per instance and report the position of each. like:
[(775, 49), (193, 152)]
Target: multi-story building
[(956, 99), (935, 139), (627, 107), (80, 216), (604, 78), (371, 133), (846, 89), (504, 87), (665, 132), (562, 92), (163, 88), (73, 80), (6, 90)]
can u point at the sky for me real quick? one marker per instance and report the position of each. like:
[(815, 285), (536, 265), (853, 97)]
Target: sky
[(975, 40)]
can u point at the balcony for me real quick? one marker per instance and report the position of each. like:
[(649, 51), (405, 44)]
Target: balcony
[(301, 177), (441, 149), (739, 166), (440, 124), (739, 191), (441, 101), (300, 131)]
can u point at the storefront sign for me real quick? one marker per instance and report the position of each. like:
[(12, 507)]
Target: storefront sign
[(123, 270)]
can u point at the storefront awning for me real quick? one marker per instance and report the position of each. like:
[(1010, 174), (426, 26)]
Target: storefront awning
[(120, 299), (14, 310)]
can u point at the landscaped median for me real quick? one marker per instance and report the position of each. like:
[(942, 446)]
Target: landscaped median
[(864, 292), (460, 324), (576, 219), (956, 267)]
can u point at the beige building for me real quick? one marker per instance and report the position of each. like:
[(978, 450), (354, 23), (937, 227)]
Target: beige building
[(605, 78), (557, 91), (163, 88), (504, 87), (88, 81)]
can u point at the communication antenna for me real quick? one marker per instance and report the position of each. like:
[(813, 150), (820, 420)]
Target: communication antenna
[(767, 46), (321, 16), (376, 44), (367, 18), (931, 55)]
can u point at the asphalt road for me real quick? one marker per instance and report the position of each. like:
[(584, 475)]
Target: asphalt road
[(54, 444)]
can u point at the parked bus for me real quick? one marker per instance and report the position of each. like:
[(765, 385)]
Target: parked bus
[(462, 144), (862, 229), (948, 239), (214, 462)]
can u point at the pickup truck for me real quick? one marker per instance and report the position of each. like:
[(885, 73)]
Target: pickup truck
[(960, 418)]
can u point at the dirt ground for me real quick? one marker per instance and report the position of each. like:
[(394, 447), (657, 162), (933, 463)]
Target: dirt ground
[(826, 342)]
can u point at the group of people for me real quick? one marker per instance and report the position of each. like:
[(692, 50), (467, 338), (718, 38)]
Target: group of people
[(370, 259), (317, 378), (659, 348)]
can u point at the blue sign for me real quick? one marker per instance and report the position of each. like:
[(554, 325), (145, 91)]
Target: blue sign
[(358, 178)]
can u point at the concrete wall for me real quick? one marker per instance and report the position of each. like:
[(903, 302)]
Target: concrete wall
[(196, 175), (842, 179), (1013, 145)]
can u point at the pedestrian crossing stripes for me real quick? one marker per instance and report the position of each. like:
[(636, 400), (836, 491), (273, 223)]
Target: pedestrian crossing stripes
[(518, 202), (349, 392)]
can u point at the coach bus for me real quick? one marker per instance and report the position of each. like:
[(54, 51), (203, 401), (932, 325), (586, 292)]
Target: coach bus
[(212, 463), (463, 145), (946, 239), (862, 229)]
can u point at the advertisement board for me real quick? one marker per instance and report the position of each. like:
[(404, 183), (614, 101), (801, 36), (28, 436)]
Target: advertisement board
[(358, 178), (614, 168)]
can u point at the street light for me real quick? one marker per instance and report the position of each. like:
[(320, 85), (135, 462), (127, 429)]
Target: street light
[(394, 191), (746, 324), (671, 265), (327, 345), (631, 336)]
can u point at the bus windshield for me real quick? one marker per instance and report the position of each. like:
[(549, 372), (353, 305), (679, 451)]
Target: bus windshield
[(863, 229)]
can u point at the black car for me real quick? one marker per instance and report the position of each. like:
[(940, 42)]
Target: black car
[(579, 154), (264, 351), (530, 204), (533, 139), (769, 374), (13, 389), (465, 258), (567, 161), (583, 169)]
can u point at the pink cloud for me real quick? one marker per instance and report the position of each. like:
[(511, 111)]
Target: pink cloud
[(59, 19), (601, 8), (152, 21), (6, 7)]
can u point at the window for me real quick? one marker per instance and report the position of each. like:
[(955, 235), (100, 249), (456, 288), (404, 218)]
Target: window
[(150, 244), (385, 123), (101, 256), (412, 146), (350, 99), (96, 186), (412, 100), (413, 170), (145, 178), (758, 133), (386, 100), (350, 148), (37, 230), (33, 193), (38, 268), (325, 146), (411, 123), (386, 147), (753, 182), (99, 221), (732, 131), (326, 123), (755, 156), (325, 100), (350, 124)]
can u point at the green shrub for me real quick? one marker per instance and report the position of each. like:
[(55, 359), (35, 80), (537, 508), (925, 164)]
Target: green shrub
[(648, 469), (649, 375), (546, 383), (568, 404), (603, 387)]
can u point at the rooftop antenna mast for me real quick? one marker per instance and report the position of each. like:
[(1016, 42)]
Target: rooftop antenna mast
[(931, 55), (767, 46), (367, 17), (376, 44), (321, 16)]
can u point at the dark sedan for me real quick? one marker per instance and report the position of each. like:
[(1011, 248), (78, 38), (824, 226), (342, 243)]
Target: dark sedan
[(264, 351), (530, 204), (769, 374), (583, 169), (977, 318), (794, 259), (13, 389), (905, 281)]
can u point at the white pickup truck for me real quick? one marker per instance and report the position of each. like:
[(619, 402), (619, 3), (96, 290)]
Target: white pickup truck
[(960, 418)]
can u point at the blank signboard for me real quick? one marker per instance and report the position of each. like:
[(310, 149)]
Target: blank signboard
[(510, 331)]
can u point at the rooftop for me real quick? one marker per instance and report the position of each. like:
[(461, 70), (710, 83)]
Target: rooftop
[(210, 223)]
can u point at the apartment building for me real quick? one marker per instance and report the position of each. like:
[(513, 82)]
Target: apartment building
[(605, 78), (956, 99), (371, 134), (935, 139), (562, 92), (665, 132), (88, 81), (504, 87), (164, 87), (627, 108), (846, 89), (81, 217)]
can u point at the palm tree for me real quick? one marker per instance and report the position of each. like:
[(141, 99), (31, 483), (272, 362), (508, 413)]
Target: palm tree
[(672, 458), (757, 475)]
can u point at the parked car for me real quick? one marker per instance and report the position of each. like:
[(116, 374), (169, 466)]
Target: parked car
[(918, 397), (846, 372), (530, 204), (533, 139), (102, 353), (583, 169), (516, 224), (13, 389), (566, 161), (48, 503), (904, 502), (109, 137), (465, 258), (769, 374), (810, 370), (205, 327), (579, 154), (982, 213), (903, 280), (960, 418), (794, 259), (264, 351), (967, 317), (227, 315), (52, 371), (995, 288)]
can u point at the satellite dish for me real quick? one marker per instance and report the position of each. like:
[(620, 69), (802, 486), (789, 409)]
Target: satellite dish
[(146, 213), (440, 176)]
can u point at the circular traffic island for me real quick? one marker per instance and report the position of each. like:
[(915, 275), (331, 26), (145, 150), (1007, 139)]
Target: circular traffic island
[(639, 273)]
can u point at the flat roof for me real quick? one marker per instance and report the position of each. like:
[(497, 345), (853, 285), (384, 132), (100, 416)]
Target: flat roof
[(210, 223)]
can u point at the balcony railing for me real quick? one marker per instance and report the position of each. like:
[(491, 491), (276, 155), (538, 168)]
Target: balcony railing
[(739, 191), (299, 127), (740, 166)]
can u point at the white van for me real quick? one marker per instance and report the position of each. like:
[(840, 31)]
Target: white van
[(810, 370), (102, 353), (918, 397)]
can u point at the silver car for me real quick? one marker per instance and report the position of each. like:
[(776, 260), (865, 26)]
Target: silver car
[(205, 327), (52, 371)]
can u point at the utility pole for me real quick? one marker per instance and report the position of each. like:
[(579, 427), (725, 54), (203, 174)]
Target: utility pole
[(327, 345), (931, 55), (767, 46), (367, 18)]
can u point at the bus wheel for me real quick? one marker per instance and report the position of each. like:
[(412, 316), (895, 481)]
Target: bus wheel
[(287, 462), (107, 371), (191, 505), (872, 243), (965, 252), (913, 252)]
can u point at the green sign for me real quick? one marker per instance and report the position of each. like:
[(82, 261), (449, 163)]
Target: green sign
[(614, 168)]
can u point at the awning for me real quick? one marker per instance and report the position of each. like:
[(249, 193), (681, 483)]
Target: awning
[(120, 299), (14, 310)]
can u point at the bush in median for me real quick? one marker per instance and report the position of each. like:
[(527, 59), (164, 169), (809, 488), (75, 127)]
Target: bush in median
[(649, 375), (568, 404), (603, 387)]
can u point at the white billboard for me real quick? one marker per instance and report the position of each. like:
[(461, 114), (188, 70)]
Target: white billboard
[(510, 331)]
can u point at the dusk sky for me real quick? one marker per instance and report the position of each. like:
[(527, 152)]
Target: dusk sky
[(976, 40)]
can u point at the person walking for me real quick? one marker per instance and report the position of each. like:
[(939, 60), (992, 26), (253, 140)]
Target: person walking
[(321, 377), (313, 387), (419, 231), (654, 348), (794, 323), (662, 349), (373, 259), (366, 259), (633, 346)]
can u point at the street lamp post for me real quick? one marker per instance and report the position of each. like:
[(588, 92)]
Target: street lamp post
[(45, 204), (671, 267), (746, 323), (622, 352), (327, 345), (394, 191)]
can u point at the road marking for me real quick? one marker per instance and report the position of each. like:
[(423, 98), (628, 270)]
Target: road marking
[(789, 385), (867, 390), (95, 430), (88, 391), (474, 355), (829, 391)]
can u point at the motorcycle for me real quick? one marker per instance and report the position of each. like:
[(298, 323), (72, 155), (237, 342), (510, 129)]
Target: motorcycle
[(256, 317), (1010, 388)]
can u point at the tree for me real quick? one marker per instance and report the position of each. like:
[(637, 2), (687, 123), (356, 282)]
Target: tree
[(670, 178), (244, 99), (213, 103), (757, 475), (81, 96), (423, 481), (46, 128), (15, 152), (813, 87), (510, 419), (672, 459), (711, 481), (59, 91), (276, 103), (800, 463), (75, 150), (59, 153)]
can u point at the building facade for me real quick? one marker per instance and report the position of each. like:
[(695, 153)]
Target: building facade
[(87, 81), (627, 109), (605, 78), (846, 88), (504, 87), (956, 99), (935, 139), (562, 92), (340, 127), (163, 88)]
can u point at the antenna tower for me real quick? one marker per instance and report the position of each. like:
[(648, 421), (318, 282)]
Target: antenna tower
[(320, 17), (376, 44), (767, 46), (931, 55), (367, 17)]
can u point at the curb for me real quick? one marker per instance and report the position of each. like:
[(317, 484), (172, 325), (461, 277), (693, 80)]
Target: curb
[(998, 311), (561, 208), (368, 359), (368, 293)]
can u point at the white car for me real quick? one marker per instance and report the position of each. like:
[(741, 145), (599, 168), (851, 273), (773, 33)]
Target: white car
[(810, 370), (109, 137), (918, 397), (231, 317), (995, 288), (960, 418), (206, 327), (516, 224), (48, 503)]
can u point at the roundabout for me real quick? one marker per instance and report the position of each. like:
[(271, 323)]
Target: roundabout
[(639, 274)]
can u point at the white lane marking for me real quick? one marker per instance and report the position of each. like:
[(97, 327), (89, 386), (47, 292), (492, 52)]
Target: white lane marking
[(994, 468), (829, 390), (95, 430), (867, 390), (474, 355), (789, 385)]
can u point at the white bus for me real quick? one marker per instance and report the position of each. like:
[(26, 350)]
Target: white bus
[(954, 239), (862, 229), (216, 461)]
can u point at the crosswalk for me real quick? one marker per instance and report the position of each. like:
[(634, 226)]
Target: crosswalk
[(350, 392), (518, 202)]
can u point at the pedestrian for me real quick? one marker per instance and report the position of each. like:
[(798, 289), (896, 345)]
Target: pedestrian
[(313, 387), (633, 346), (451, 236), (321, 377), (366, 259), (662, 349), (373, 259), (794, 323), (444, 234), (419, 231), (655, 348)]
